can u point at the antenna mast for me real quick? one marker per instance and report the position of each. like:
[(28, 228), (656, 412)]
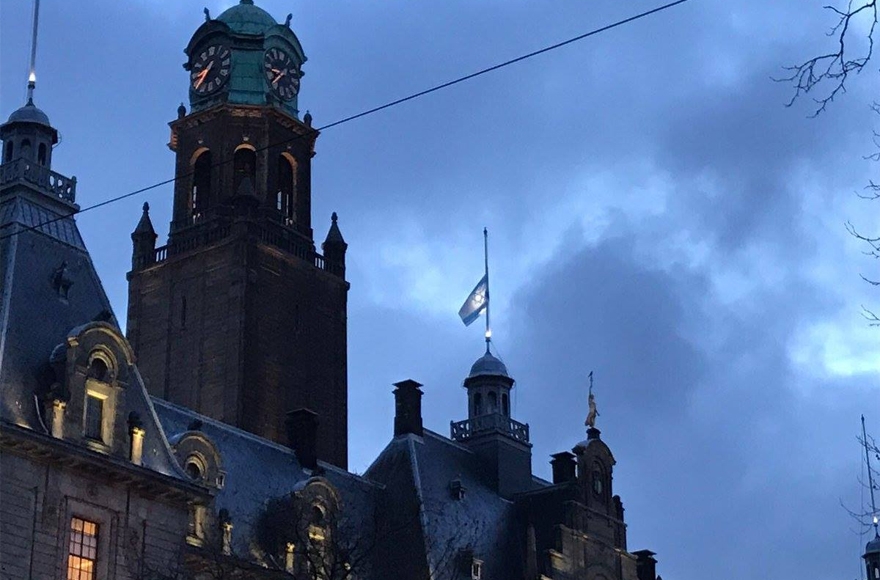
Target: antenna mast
[(32, 73), (870, 478)]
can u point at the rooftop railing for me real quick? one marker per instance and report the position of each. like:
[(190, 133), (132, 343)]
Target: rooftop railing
[(46, 180), (493, 423), (271, 234)]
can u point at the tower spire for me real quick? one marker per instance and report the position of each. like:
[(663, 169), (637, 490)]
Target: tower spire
[(32, 72)]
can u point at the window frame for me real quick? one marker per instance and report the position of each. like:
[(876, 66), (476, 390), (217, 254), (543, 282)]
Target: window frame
[(83, 549), (108, 526)]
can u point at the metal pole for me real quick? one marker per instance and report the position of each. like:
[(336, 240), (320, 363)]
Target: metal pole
[(32, 73), (486, 257)]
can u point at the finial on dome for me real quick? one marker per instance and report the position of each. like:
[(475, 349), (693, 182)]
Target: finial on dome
[(247, 2), (207, 14), (307, 119), (287, 20), (146, 207), (333, 217), (181, 111)]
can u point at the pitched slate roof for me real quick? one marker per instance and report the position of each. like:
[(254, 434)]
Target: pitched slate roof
[(258, 470), (450, 532), (37, 314)]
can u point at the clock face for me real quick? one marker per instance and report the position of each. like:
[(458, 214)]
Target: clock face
[(281, 74), (209, 69)]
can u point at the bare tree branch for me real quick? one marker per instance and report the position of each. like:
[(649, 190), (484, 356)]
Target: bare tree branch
[(834, 68)]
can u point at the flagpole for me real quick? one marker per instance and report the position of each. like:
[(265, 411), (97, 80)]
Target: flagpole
[(486, 257)]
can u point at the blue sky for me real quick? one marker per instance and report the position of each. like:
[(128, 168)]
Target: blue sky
[(656, 215)]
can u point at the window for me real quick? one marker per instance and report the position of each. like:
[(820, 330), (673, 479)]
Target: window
[(82, 556), (284, 198), (9, 149), (98, 369), (26, 149), (94, 417), (201, 186), (476, 569), (478, 405), (493, 402), (195, 467), (41, 155), (505, 405)]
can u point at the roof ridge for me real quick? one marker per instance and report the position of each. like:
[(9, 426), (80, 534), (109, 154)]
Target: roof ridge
[(260, 440)]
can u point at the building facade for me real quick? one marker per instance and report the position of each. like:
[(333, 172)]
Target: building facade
[(211, 442)]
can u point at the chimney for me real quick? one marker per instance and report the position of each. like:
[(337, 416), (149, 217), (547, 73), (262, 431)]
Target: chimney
[(407, 408), (302, 436), (563, 465), (646, 565)]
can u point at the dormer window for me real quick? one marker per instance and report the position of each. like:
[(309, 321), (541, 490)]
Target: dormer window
[(456, 489), (476, 569), (99, 401)]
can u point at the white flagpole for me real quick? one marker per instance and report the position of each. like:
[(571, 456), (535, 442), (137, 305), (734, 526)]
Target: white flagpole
[(486, 256)]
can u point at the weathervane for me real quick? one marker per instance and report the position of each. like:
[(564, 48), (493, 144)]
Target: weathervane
[(593, 412)]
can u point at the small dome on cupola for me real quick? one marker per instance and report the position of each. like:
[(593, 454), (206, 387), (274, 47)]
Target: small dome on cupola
[(245, 18), (29, 114), (488, 366), (873, 546)]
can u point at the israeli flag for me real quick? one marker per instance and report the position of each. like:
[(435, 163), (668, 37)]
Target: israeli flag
[(476, 303)]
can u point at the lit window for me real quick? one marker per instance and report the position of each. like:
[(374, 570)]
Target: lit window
[(83, 554), (94, 417)]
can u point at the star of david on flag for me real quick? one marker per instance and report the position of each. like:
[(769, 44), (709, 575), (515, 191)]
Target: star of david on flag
[(476, 303)]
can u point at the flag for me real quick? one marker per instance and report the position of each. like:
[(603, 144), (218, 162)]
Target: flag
[(476, 303)]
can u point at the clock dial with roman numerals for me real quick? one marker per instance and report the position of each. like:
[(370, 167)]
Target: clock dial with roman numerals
[(282, 75), (209, 69)]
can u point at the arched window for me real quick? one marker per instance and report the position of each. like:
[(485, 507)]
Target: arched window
[(505, 405), (41, 154), (478, 405), (599, 482), (200, 194), (284, 198), (9, 150), (26, 149), (493, 402), (244, 164), (98, 369)]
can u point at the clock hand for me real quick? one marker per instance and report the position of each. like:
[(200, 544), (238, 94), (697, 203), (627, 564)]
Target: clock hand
[(203, 74), (278, 78)]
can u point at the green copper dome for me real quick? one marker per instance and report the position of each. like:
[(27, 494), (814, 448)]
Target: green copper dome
[(245, 18)]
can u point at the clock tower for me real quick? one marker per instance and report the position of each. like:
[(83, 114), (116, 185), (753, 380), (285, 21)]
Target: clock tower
[(239, 316)]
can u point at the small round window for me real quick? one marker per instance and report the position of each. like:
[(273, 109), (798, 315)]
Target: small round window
[(194, 468)]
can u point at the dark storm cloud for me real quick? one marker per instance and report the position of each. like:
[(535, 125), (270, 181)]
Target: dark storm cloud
[(711, 256)]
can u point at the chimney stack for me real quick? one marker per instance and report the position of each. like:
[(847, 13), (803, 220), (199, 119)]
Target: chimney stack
[(646, 565), (563, 465), (302, 436), (408, 408)]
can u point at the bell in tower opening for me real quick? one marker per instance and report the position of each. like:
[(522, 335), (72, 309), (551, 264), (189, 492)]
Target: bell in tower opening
[(239, 317)]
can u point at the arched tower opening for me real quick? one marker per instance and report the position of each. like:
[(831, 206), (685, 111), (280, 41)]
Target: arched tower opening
[(200, 192)]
